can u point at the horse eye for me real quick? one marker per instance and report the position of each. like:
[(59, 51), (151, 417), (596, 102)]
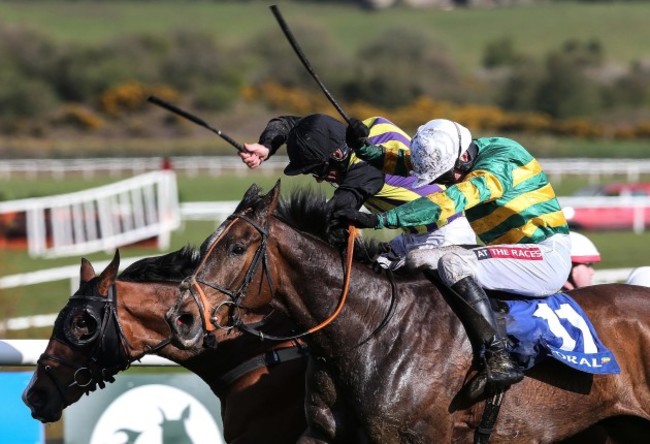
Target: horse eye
[(84, 326), (237, 249)]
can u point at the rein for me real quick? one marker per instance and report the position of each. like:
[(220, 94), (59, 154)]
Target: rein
[(209, 320)]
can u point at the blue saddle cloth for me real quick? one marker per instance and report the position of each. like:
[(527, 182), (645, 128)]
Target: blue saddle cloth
[(557, 327)]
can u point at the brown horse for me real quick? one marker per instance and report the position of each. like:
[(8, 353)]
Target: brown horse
[(107, 324), (391, 367)]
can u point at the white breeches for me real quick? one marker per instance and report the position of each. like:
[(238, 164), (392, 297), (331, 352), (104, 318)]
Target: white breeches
[(457, 232), (530, 269)]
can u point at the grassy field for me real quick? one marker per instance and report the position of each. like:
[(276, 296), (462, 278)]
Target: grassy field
[(620, 26)]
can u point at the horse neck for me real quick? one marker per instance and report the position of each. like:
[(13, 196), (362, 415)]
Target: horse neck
[(141, 309), (311, 286)]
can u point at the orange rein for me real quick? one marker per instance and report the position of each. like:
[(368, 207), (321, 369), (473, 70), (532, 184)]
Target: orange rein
[(346, 282), (209, 326)]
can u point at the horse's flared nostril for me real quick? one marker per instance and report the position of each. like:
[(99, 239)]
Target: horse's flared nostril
[(185, 320)]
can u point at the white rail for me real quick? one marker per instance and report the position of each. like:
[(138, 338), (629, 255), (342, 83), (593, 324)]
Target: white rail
[(25, 352), (102, 218), (115, 167), (215, 165)]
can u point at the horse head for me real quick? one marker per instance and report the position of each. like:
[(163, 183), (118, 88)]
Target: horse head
[(79, 355), (234, 260), (109, 322)]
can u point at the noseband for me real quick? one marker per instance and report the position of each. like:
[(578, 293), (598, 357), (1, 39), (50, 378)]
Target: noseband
[(210, 321)]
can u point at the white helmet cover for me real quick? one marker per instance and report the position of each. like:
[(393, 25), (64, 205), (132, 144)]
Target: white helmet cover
[(582, 249), (435, 148)]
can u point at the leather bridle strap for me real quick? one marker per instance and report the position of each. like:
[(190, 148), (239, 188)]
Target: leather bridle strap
[(201, 300), (266, 360)]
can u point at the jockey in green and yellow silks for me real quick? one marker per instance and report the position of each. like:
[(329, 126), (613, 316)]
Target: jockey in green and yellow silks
[(511, 206)]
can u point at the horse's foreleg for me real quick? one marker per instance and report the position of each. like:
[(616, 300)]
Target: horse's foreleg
[(328, 419)]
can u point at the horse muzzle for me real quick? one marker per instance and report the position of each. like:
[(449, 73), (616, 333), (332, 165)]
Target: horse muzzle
[(42, 405)]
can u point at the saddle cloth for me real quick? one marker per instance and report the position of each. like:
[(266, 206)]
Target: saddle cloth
[(556, 326)]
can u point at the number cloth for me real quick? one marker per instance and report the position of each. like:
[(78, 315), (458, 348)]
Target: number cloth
[(557, 327)]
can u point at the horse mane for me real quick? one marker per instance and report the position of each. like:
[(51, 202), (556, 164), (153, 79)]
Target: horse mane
[(170, 267), (306, 210)]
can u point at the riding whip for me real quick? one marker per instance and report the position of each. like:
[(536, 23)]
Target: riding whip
[(191, 117), (305, 62)]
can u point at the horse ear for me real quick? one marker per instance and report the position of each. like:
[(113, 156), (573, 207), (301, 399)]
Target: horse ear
[(107, 278), (266, 206), (87, 271), (251, 196)]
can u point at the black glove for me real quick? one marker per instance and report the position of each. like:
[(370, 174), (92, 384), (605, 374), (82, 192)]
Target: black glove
[(337, 229), (337, 236), (361, 220), (356, 135)]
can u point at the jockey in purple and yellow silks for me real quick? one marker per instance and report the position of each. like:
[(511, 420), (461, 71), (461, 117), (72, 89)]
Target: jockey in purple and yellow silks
[(316, 145), (510, 205)]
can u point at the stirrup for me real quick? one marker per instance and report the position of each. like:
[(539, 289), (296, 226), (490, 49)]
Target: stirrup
[(485, 383)]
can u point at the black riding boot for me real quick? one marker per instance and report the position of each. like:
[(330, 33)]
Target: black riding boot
[(500, 371)]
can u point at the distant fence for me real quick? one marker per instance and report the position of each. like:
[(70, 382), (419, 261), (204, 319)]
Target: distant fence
[(632, 169), (102, 218), (116, 167)]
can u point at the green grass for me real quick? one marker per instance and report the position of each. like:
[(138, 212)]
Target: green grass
[(536, 29)]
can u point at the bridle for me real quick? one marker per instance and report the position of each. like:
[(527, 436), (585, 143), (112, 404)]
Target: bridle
[(210, 321), (106, 359)]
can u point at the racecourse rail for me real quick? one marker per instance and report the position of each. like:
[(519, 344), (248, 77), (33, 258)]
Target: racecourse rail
[(191, 166)]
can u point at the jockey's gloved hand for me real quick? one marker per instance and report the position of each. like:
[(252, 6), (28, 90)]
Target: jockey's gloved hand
[(356, 135), (361, 220), (337, 229), (337, 236)]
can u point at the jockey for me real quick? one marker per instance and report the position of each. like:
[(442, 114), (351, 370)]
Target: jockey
[(510, 205), (316, 145), (584, 255)]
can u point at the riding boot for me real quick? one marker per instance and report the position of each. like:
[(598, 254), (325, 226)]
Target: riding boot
[(499, 371)]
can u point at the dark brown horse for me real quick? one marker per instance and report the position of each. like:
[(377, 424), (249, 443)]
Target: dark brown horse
[(107, 324), (391, 367)]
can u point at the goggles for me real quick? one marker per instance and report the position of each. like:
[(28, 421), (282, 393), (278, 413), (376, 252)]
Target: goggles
[(320, 171)]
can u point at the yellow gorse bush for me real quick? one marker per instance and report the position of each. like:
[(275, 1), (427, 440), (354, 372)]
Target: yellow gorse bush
[(131, 96), (410, 117)]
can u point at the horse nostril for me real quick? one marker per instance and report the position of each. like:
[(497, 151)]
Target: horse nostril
[(185, 319)]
